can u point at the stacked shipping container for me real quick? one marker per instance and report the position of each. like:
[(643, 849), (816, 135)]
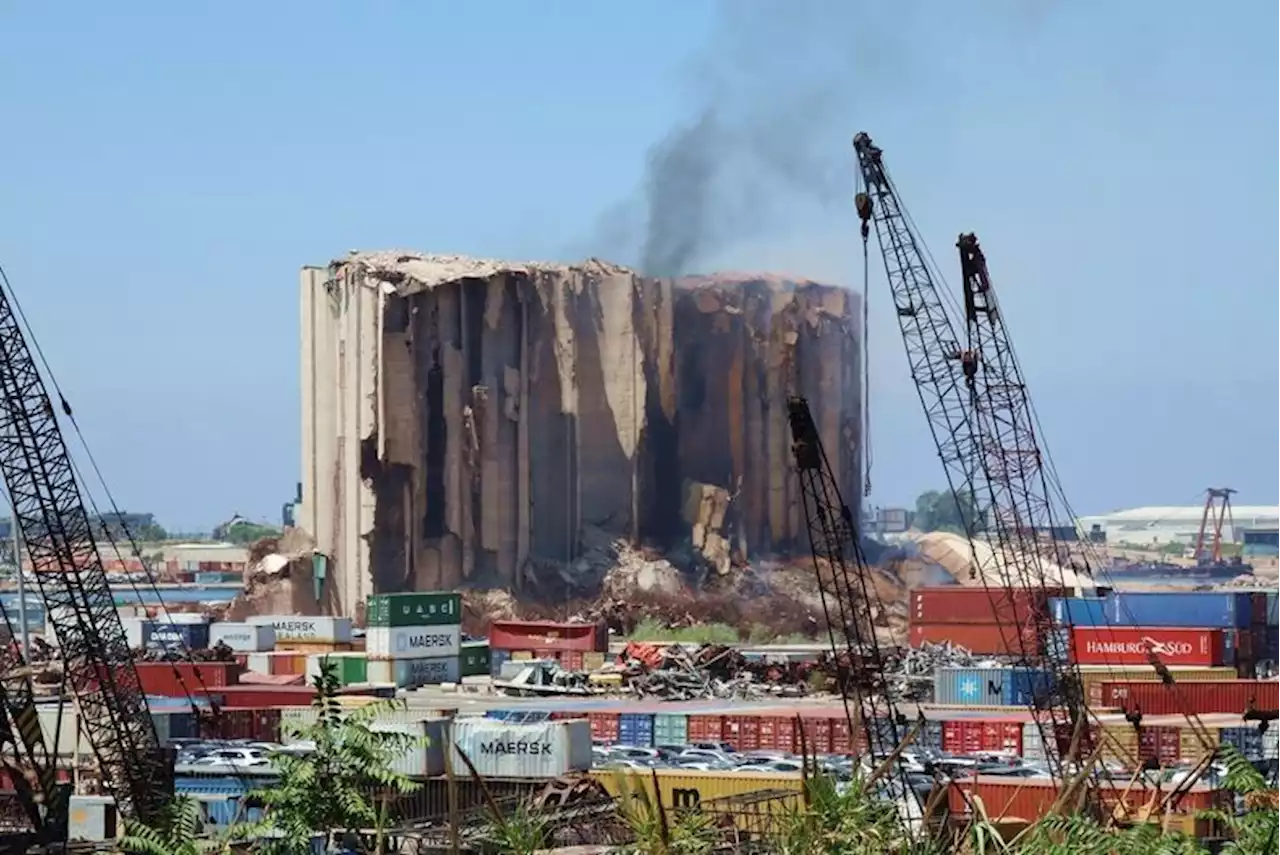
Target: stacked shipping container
[(576, 646), (985, 620), (414, 639)]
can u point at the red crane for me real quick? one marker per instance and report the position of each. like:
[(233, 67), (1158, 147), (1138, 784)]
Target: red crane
[(1217, 509)]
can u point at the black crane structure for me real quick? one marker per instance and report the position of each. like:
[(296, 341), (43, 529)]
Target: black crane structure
[(847, 593), (946, 372), (98, 667)]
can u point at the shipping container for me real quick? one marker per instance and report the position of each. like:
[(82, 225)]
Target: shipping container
[(497, 658), (92, 819), (425, 758), (502, 750), (1247, 740), (475, 659), (277, 664), (814, 735), (603, 726), (413, 609), (266, 697), (137, 631), (1093, 676), (179, 679), (413, 642), (297, 628), (592, 662), (670, 729), (175, 724), (705, 729), (545, 635), (1152, 698), (350, 667), (178, 636), (980, 638), (63, 720), (971, 736), (243, 637), (1029, 799), (1079, 611), (254, 724), (682, 790), (635, 729), (1194, 609), (959, 604), (1131, 645), (1017, 686), (778, 733), (307, 648), (412, 673)]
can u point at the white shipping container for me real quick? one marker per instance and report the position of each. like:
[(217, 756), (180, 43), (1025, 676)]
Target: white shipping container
[(258, 663), (137, 631), (92, 818), (1271, 744), (412, 673), (243, 637), (500, 750), (421, 760), (182, 617), (296, 628), (69, 742), (1032, 744), (305, 716), (413, 642)]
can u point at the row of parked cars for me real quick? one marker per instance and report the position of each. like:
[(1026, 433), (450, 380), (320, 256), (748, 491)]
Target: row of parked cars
[(227, 755)]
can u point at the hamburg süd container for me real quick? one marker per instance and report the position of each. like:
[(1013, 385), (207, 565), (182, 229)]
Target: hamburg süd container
[(1015, 686), (425, 758), (413, 609), (1118, 645), (475, 661), (983, 638), (178, 636), (1203, 698), (297, 628), (243, 637), (500, 750), (546, 635), (1195, 609), (961, 604), (1079, 611), (350, 667), (412, 673), (413, 642)]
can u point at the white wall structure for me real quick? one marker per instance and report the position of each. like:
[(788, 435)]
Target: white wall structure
[(1162, 524)]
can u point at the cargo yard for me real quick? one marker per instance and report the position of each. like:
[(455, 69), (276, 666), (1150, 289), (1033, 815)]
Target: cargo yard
[(585, 557)]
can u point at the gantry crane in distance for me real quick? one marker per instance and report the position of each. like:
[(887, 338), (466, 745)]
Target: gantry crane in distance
[(1217, 512), (843, 584), (944, 372), (98, 666)]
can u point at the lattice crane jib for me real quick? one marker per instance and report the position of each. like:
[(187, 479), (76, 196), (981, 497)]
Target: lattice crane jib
[(63, 554), (844, 581), (945, 370)]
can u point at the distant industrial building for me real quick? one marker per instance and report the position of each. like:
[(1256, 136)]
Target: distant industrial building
[(1161, 525)]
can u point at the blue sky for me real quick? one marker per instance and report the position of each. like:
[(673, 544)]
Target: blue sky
[(167, 168)]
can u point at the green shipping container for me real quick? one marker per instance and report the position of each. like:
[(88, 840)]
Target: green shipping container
[(353, 668), (475, 659), (414, 609)]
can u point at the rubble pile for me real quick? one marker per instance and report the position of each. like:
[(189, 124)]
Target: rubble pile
[(676, 673)]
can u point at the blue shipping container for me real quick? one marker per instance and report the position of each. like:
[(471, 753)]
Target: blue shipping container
[(189, 636), (992, 687), (1078, 611), (496, 660), (1273, 608), (635, 729), (1208, 609), (930, 736), (1246, 740)]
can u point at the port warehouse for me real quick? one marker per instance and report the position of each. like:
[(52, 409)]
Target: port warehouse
[(1253, 526)]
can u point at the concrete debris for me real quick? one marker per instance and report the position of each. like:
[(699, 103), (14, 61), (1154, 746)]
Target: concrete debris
[(467, 423)]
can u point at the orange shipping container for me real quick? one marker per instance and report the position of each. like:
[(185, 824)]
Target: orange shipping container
[(1030, 798)]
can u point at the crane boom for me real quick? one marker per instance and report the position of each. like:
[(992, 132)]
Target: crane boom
[(50, 513)]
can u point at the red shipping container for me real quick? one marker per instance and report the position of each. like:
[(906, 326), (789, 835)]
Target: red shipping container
[(842, 737), (1162, 744), (982, 638), (742, 732), (778, 733), (1226, 696), (264, 697), (815, 728), (252, 724), (1124, 645), (706, 728), (179, 679), (570, 660), (960, 604), (546, 635), (972, 735), (604, 726), (1030, 798)]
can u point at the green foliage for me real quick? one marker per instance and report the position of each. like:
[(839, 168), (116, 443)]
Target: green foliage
[(522, 832), (659, 830), (329, 789), (945, 511), (1253, 832), (177, 832), (711, 633), (245, 533), (844, 818)]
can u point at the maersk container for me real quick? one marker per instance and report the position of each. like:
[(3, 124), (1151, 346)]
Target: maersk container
[(414, 608), (475, 659), (991, 686), (425, 758), (351, 667), (1078, 611), (243, 637), (500, 750), (412, 673), (1209, 609), (635, 729), (670, 729), (179, 636), (296, 628), (413, 642)]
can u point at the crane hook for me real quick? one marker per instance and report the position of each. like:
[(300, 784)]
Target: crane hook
[(862, 202)]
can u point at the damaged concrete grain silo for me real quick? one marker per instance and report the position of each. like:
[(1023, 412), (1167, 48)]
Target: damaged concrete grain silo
[(465, 422)]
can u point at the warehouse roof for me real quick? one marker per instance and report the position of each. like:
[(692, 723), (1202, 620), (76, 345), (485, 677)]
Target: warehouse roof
[(410, 272), (1242, 514)]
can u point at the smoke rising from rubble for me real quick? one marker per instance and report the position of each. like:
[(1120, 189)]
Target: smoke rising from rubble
[(770, 128)]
